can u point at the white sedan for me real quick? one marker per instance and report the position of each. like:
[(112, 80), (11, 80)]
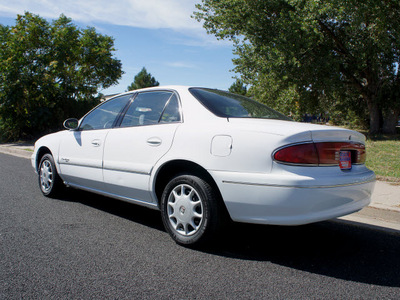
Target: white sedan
[(204, 156)]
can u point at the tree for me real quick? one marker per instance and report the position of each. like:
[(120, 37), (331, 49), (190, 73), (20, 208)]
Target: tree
[(284, 99), (328, 51), (143, 80), (49, 72), (238, 87)]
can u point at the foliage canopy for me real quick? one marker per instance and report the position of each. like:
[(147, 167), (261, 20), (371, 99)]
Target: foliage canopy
[(327, 53), (143, 80), (50, 71), (238, 87)]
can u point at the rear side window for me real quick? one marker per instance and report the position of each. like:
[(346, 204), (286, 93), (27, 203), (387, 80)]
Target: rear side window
[(151, 108), (228, 105), (172, 112)]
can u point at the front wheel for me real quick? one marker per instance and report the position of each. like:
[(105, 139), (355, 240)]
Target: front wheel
[(50, 182), (190, 210)]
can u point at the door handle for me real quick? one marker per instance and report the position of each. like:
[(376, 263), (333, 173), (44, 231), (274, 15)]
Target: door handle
[(96, 143), (154, 141)]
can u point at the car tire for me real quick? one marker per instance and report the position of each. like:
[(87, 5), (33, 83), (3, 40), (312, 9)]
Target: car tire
[(50, 182), (190, 210)]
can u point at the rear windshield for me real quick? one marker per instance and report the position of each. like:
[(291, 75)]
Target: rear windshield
[(228, 105)]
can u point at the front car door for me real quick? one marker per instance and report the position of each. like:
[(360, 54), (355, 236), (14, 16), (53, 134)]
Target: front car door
[(81, 150), (145, 134)]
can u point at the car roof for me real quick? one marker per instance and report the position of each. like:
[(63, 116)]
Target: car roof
[(155, 88), (178, 88)]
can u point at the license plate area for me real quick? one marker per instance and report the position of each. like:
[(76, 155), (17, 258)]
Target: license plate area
[(345, 160)]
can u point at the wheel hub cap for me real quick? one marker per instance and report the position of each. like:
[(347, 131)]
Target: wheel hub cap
[(46, 176), (185, 210), (182, 210)]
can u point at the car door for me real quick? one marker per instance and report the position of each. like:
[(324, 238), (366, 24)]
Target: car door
[(145, 134), (81, 150)]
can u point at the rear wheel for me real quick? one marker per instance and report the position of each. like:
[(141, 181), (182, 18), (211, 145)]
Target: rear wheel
[(190, 210), (50, 182)]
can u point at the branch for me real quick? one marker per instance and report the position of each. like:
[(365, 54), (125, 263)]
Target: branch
[(353, 80), (341, 49)]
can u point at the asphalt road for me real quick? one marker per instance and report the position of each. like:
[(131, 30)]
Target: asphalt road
[(88, 247)]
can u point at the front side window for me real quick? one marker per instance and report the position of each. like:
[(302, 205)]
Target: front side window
[(228, 105), (151, 108), (104, 116)]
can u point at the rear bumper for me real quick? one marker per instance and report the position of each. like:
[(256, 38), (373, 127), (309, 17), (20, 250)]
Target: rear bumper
[(292, 200)]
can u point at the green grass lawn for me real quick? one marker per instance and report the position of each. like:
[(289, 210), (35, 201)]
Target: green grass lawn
[(383, 157)]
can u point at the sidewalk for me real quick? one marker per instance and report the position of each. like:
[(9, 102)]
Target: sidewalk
[(17, 149), (386, 196), (384, 210)]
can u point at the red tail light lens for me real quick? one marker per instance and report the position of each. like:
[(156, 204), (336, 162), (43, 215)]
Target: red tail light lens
[(298, 154), (320, 153)]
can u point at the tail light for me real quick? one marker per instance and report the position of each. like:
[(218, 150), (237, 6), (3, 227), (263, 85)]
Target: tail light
[(320, 154)]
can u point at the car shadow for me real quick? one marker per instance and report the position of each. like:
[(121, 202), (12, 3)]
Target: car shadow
[(343, 250), (339, 249), (136, 213)]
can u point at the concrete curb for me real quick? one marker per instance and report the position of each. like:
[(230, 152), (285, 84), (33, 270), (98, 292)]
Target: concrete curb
[(21, 150)]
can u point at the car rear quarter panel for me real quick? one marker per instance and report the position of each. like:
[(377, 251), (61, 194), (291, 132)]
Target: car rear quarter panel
[(250, 151)]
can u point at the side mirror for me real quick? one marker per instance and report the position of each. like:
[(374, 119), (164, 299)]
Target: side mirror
[(71, 124)]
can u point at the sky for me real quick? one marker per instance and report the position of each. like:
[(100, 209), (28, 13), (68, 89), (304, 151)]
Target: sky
[(159, 35)]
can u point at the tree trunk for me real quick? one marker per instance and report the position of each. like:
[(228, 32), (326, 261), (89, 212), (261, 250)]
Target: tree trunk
[(374, 116), (390, 119)]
